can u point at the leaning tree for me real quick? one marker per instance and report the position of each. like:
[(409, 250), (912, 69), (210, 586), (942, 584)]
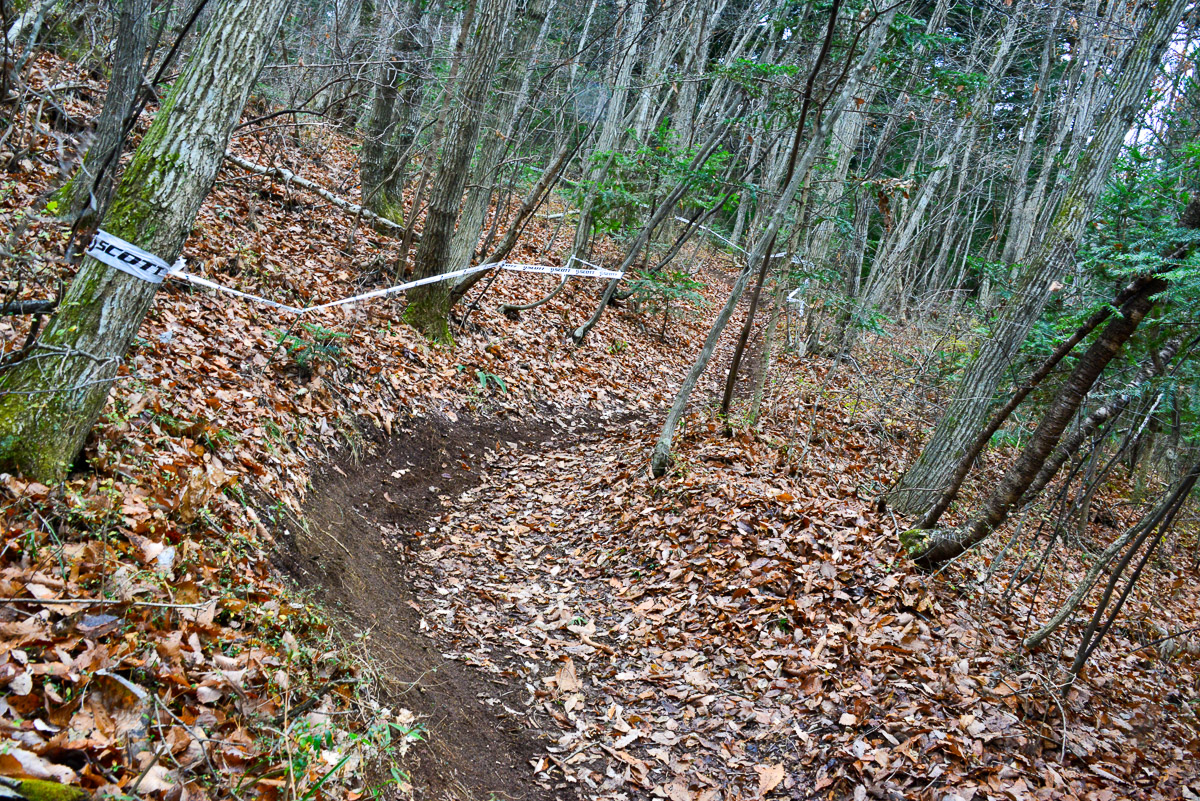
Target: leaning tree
[(967, 412)]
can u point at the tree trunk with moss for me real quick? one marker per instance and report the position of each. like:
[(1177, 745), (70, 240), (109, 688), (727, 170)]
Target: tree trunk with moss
[(51, 398), (95, 175), (429, 306), (386, 139), (967, 412), (41, 790)]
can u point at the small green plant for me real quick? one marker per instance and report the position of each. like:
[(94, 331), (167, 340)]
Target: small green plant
[(1007, 437), (386, 740), (667, 293), (320, 345), (485, 379), (214, 438), (617, 346)]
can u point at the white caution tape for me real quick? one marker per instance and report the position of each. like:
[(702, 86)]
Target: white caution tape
[(595, 272), (391, 290), (122, 255), (724, 239), (575, 259), (795, 259), (378, 293), (797, 295), (116, 252), (204, 282)]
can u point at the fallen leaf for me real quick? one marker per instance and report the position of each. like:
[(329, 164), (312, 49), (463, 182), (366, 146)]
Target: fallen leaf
[(768, 777)]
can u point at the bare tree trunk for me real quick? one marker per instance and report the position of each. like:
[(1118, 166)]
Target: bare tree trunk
[(699, 37), (532, 200), (1015, 244), (843, 144), (760, 387), (429, 306), (95, 175), (750, 192), (496, 143), (624, 58), (660, 213), (1102, 414), (940, 546), (981, 440), (660, 457), (897, 250), (461, 33), (666, 42), (383, 141), (818, 62)]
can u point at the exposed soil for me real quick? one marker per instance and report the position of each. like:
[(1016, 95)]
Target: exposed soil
[(362, 518)]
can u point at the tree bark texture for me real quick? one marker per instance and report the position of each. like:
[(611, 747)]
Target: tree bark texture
[(1101, 415), (429, 307), (941, 546), (495, 143), (624, 59), (981, 440), (660, 457), (384, 143), (660, 213), (95, 174)]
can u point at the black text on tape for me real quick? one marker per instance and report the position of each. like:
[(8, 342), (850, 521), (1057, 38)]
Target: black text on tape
[(116, 252)]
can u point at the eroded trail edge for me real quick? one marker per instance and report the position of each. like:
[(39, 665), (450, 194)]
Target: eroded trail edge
[(366, 521)]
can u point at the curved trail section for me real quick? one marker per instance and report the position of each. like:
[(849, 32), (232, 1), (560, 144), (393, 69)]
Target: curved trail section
[(355, 552)]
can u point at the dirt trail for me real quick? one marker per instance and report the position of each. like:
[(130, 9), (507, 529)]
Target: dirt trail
[(364, 521)]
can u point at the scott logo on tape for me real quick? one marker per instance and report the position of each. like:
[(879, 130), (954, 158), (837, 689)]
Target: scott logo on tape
[(127, 257), (116, 252), (550, 269)]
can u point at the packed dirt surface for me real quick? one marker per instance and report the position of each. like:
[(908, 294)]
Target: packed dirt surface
[(747, 627), (361, 524)]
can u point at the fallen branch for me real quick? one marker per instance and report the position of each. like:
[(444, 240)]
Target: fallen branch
[(289, 177), (28, 307), (599, 646), (315, 699)]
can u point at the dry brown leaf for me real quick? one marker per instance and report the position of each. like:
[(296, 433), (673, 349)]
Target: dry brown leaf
[(566, 679), (18, 763), (768, 777)]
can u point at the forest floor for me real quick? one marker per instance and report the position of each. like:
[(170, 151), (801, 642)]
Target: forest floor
[(327, 547)]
